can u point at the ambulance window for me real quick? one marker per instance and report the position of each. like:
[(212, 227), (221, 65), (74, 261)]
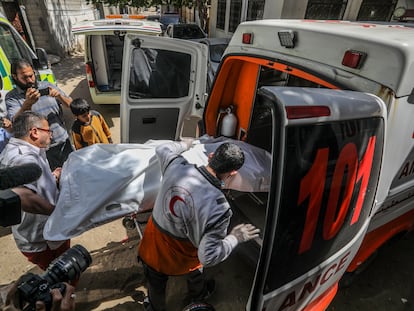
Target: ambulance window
[(261, 122), (272, 77), (8, 44), (157, 73)]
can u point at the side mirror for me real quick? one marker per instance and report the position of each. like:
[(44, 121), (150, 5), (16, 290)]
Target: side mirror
[(42, 59)]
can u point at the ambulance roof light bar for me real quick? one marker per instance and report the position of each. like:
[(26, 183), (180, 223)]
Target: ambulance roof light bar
[(287, 38), (125, 16)]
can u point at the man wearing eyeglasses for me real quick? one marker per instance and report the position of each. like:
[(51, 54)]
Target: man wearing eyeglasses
[(45, 98), (32, 135)]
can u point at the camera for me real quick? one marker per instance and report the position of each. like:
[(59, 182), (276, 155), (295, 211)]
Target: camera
[(67, 267), (44, 92)]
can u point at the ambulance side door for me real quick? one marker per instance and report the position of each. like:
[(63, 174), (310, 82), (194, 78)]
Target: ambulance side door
[(163, 84)]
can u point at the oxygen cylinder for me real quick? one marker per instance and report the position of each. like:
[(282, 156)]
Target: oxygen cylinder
[(229, 123)]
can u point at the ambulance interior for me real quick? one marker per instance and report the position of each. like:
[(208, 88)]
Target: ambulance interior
[(237, 84), (106, 56)]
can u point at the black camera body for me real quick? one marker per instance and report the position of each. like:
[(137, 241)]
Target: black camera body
[(44, 92), (35, 288), (65, 268)]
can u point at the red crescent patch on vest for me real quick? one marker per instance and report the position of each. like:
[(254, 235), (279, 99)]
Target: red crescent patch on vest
[(172, 202)]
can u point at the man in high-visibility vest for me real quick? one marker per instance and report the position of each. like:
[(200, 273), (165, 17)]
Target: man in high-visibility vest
[(188, 227)]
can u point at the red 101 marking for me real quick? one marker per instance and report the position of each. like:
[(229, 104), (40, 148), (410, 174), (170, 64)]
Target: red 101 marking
[(312, 186)]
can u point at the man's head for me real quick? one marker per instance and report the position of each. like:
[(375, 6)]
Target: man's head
[(33, 128), (226, 160), (23, 74), (80, 108)]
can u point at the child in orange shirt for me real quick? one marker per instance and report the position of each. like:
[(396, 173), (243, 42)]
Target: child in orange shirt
[(89, 127)]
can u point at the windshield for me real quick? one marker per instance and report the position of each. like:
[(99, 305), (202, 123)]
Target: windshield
[(216, 52), (8, 44), (188, 32), (170, 19)]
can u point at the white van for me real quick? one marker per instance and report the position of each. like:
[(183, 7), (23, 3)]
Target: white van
[(104, 43), (333, 103)]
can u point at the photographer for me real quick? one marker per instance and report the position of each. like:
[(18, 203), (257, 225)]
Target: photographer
[(53, 290), (45, 98), (65, 302)]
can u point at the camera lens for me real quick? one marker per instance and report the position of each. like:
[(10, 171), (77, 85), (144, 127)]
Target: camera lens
[(69, 265)]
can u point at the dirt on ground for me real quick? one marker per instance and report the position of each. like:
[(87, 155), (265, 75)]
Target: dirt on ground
[(115, 280)]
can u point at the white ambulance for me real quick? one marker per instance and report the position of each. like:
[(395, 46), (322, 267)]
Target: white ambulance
[(104, 43), (333, 103)]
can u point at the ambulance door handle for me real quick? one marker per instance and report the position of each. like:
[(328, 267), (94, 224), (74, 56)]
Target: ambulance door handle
[(149, 120)]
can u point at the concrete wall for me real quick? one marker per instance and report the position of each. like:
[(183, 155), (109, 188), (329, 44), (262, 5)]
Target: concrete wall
[(51, 21)]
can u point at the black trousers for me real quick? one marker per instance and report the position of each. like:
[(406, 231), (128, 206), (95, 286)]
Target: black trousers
[(157, 284), (58, 154)]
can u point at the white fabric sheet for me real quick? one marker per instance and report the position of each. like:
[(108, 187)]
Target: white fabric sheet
[(102, 182)]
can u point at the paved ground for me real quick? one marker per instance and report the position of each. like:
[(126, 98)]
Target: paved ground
[(115, 281)]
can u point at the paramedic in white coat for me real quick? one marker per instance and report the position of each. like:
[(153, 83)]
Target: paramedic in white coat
[(188, 227)]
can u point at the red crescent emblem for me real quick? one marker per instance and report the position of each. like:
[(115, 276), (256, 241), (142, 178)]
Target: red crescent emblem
[(172, 202)]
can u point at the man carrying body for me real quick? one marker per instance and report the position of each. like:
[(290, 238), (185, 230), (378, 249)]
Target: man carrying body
[(188, 227), (32, 136), (26, 97)]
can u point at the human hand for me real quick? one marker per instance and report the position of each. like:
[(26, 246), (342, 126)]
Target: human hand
[(32, 96), (60, 302), (54, 92), (188, 141), (57, 172), (7, 124), (245, 232), (12, 298)]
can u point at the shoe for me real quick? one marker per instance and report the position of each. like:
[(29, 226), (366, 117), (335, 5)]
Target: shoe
[(199, 306)]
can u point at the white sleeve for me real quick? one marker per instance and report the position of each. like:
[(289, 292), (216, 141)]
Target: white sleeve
[(168, 152), (215, 245)]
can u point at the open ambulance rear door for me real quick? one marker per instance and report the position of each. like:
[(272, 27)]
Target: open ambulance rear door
[(104, 44), (326, 148), (163, 83)]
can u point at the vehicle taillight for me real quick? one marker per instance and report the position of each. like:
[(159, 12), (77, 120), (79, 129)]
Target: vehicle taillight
[(89, 75), (247, 38), (303, 112), (353, 59)]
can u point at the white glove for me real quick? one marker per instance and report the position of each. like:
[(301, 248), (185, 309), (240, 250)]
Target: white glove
[(245, 232), (188, 141)]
